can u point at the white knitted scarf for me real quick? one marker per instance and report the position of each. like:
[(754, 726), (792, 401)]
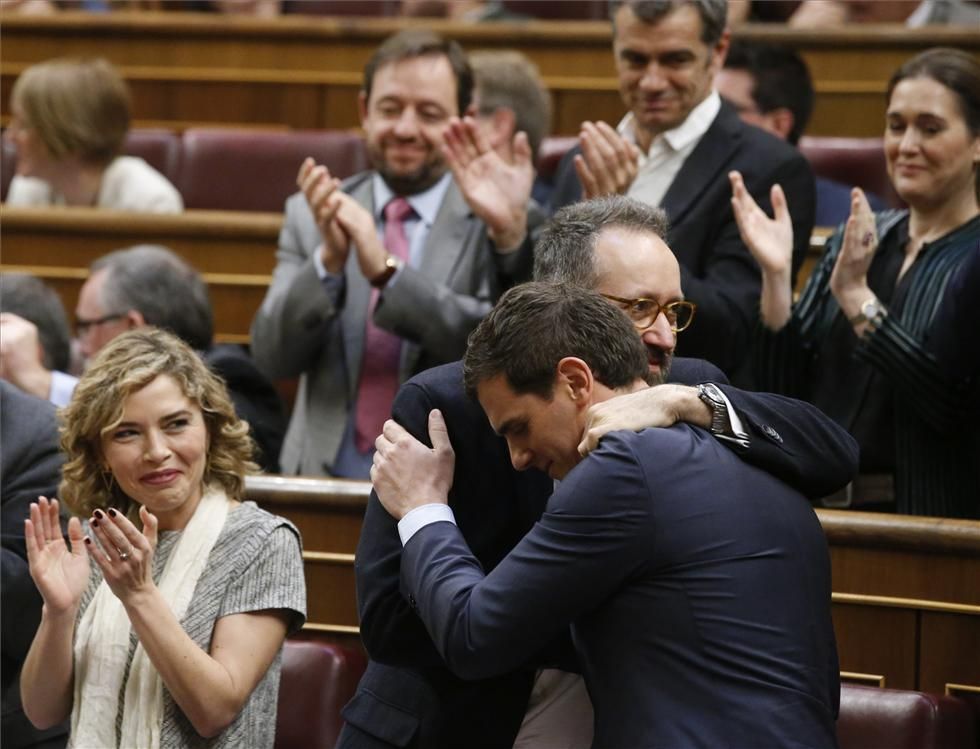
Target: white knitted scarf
[(102, 644)]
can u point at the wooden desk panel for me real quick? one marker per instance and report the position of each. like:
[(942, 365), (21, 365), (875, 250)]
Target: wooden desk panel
[(304, 72), (330, 591), (877, 642), (949, 650), (234, 251)]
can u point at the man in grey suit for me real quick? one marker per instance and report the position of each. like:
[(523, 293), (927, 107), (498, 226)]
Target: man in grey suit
[(697, 586), (362, 298)]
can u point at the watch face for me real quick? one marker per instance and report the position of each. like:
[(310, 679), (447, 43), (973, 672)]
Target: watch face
[(871, 309)]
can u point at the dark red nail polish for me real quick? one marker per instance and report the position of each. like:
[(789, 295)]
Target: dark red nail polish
[(88, 540), (112, 513), (98, 514), (95, 523)]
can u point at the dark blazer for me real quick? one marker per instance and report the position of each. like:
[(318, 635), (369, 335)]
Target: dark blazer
[(408, 697), (697, 588), (717, 271), (256, 400), (30, 466)]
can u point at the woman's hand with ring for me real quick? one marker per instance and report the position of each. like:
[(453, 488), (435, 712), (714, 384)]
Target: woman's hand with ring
[(849, 279), (123, 553)]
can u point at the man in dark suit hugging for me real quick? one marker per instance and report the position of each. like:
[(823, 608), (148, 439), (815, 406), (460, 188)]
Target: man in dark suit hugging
[(408, 697), (697, 586)]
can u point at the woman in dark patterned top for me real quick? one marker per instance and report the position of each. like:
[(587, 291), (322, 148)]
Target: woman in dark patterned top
[(856, 343), (163, 622)]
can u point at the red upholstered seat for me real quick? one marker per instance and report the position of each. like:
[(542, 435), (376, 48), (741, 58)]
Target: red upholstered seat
[(342, 7), (872, 718), (318, 679), (551, 152), (247, 170), (856, 162), (580, 10), (158, 147)]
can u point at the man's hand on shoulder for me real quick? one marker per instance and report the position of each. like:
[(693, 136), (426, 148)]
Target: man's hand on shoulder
[(608, 163), (498, 191), (658, 406), (406, 474)]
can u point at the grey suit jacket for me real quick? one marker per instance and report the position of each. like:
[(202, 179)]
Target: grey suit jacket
[(299, 332)]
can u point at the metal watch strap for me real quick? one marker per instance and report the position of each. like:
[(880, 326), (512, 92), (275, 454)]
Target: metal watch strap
[(712, 398)]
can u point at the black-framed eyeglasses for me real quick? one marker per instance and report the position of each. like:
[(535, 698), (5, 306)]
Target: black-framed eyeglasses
[(83, 326), (643, 312)]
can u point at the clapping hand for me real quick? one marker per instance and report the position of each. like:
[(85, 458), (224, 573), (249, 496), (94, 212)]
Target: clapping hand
[(497, 190), (849, 279), (60, 573), (608, 163), (323, 196), (770, 240), (124, 553)]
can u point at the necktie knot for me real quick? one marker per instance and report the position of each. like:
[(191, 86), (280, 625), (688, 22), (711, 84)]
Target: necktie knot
[(397, 210)]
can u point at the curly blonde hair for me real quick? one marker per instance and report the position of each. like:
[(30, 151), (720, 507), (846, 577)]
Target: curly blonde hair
[(127, 364)]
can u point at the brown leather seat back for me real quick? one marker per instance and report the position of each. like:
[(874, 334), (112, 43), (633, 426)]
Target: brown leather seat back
[(855, 162), (246, 170), (318, 679), (158, 147), (873, 718)]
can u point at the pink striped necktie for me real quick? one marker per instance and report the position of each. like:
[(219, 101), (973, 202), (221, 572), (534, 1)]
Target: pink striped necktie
[(382, 350)]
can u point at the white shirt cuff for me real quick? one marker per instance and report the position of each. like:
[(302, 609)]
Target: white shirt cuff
[(739, 435), (423, 515), (62, 388)]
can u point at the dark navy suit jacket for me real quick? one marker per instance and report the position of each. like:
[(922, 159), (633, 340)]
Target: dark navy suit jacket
[(697, 587), (408, 697)]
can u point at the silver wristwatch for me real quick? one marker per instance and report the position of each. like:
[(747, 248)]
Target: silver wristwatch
[(871, 311), (711, 396)]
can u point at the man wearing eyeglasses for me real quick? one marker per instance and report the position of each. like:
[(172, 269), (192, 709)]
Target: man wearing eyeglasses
[(697, 587), (616, 246)]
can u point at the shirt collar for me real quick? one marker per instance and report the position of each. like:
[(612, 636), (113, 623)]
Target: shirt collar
[(691, 130), (425, 204)]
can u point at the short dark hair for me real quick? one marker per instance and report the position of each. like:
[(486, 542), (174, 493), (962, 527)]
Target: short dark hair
[(509, 80), (957, 71), (162, 287), (565, 251), (713, 13), (412, 43), (780, 79), (536, 325), (29, 297)]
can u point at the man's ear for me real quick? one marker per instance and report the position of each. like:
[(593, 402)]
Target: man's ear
[(135, 319), (362, 106), (504, 125), (720, 51), (780, 121), (575, 378)]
